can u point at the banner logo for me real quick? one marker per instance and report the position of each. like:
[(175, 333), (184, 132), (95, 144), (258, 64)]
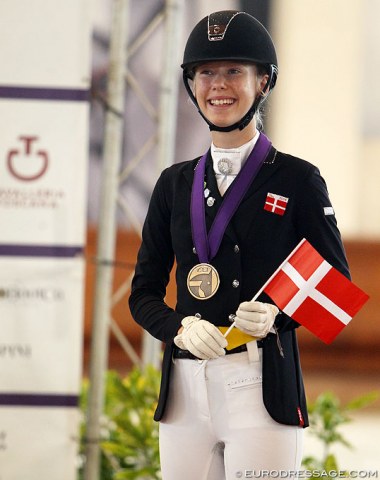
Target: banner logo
[(29, 162)]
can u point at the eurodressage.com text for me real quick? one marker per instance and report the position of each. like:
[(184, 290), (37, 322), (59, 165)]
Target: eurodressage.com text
[(308, 474)]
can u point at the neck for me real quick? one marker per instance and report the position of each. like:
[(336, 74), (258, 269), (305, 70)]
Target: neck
[(234, 139)]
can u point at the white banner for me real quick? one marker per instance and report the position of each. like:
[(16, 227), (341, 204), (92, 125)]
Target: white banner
[(43, 172), (45, 43), (44, 109), (38, 443), (41, 312)]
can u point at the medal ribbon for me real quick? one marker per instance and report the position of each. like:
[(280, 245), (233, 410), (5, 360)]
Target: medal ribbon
[(207, 245)]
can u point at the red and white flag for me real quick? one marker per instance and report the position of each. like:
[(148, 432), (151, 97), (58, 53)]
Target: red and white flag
[(276, 203), (316, 295)]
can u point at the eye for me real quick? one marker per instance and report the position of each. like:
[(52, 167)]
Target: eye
[(234, 71), (205, 71)]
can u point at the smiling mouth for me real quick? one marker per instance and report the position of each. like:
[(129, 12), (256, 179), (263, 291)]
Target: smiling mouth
[(222, 101)]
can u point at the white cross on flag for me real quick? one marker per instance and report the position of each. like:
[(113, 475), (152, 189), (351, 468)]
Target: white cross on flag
[(276, 203), (316, 295)]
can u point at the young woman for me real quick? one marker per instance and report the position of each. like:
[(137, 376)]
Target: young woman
[(229, 407)]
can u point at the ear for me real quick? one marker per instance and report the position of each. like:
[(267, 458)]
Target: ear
[(263, 85), (189, 80), (193, 87)]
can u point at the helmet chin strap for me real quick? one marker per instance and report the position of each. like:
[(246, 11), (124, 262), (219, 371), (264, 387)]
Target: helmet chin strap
[(243, 122)]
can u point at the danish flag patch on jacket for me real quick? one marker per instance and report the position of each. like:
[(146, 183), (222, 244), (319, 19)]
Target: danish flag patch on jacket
[(276, 203)]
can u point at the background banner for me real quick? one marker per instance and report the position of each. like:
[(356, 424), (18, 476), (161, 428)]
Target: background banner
[(41, 304), (45, 43), (44, 109), (43, 147), (29, 435)]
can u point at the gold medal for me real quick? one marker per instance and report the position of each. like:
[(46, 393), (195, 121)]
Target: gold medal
[(203, 281)]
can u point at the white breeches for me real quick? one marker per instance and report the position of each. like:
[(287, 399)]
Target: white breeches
[(216, 426)]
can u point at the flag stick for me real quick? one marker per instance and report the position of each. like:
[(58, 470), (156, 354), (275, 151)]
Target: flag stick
[(270, 279)]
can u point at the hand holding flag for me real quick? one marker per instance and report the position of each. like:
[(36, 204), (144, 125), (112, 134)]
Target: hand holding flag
[(313, 293)]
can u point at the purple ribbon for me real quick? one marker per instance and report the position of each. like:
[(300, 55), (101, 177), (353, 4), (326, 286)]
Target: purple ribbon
[(207, 245)]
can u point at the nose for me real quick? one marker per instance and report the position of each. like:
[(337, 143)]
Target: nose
[(219, 81)]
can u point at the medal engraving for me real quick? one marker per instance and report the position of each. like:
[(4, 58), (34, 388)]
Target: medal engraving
[(203, 281)]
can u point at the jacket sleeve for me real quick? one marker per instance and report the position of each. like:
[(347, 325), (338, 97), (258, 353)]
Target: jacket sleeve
[(154, 263), (315, 220)]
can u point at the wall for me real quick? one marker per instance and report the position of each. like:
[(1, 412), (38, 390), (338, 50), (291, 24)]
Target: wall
[(324, 106)]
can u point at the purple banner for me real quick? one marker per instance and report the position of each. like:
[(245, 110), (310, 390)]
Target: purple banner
[(39, 251), (38, 400), (41, 93)]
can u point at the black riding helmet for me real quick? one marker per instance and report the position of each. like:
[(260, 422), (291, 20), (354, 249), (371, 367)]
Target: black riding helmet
[(230, 35)]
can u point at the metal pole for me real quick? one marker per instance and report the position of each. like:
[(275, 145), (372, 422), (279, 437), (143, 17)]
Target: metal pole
[(169, 83), (106, 235), (151, 348)]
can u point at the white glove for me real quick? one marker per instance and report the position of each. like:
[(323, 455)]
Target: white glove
[(201, 338), (255, 318)]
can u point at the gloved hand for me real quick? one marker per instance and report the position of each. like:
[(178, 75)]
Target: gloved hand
[(201, 338), (255, 318)]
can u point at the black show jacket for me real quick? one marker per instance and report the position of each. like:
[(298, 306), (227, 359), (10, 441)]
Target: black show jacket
[(255, 243)]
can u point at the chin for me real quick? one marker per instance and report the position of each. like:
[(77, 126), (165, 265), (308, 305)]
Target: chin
[(222, 123)]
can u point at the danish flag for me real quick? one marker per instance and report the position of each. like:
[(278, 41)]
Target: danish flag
[(275, 203), (316, 295)]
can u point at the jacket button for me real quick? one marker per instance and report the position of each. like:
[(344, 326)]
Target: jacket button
[(194, 251), (236, 249), (235, 283), (231, 317)]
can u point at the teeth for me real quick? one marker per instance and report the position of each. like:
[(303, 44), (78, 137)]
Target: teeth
[(224, 101)]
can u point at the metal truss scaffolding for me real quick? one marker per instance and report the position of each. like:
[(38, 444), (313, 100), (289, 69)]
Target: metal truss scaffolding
[(120, 78)]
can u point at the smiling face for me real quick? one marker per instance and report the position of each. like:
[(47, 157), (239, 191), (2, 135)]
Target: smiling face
[(226, 90)]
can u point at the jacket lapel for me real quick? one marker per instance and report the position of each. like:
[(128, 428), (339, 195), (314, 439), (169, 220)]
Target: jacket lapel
[(189, 172), (268, 168), (212, 186), (211, 211)]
